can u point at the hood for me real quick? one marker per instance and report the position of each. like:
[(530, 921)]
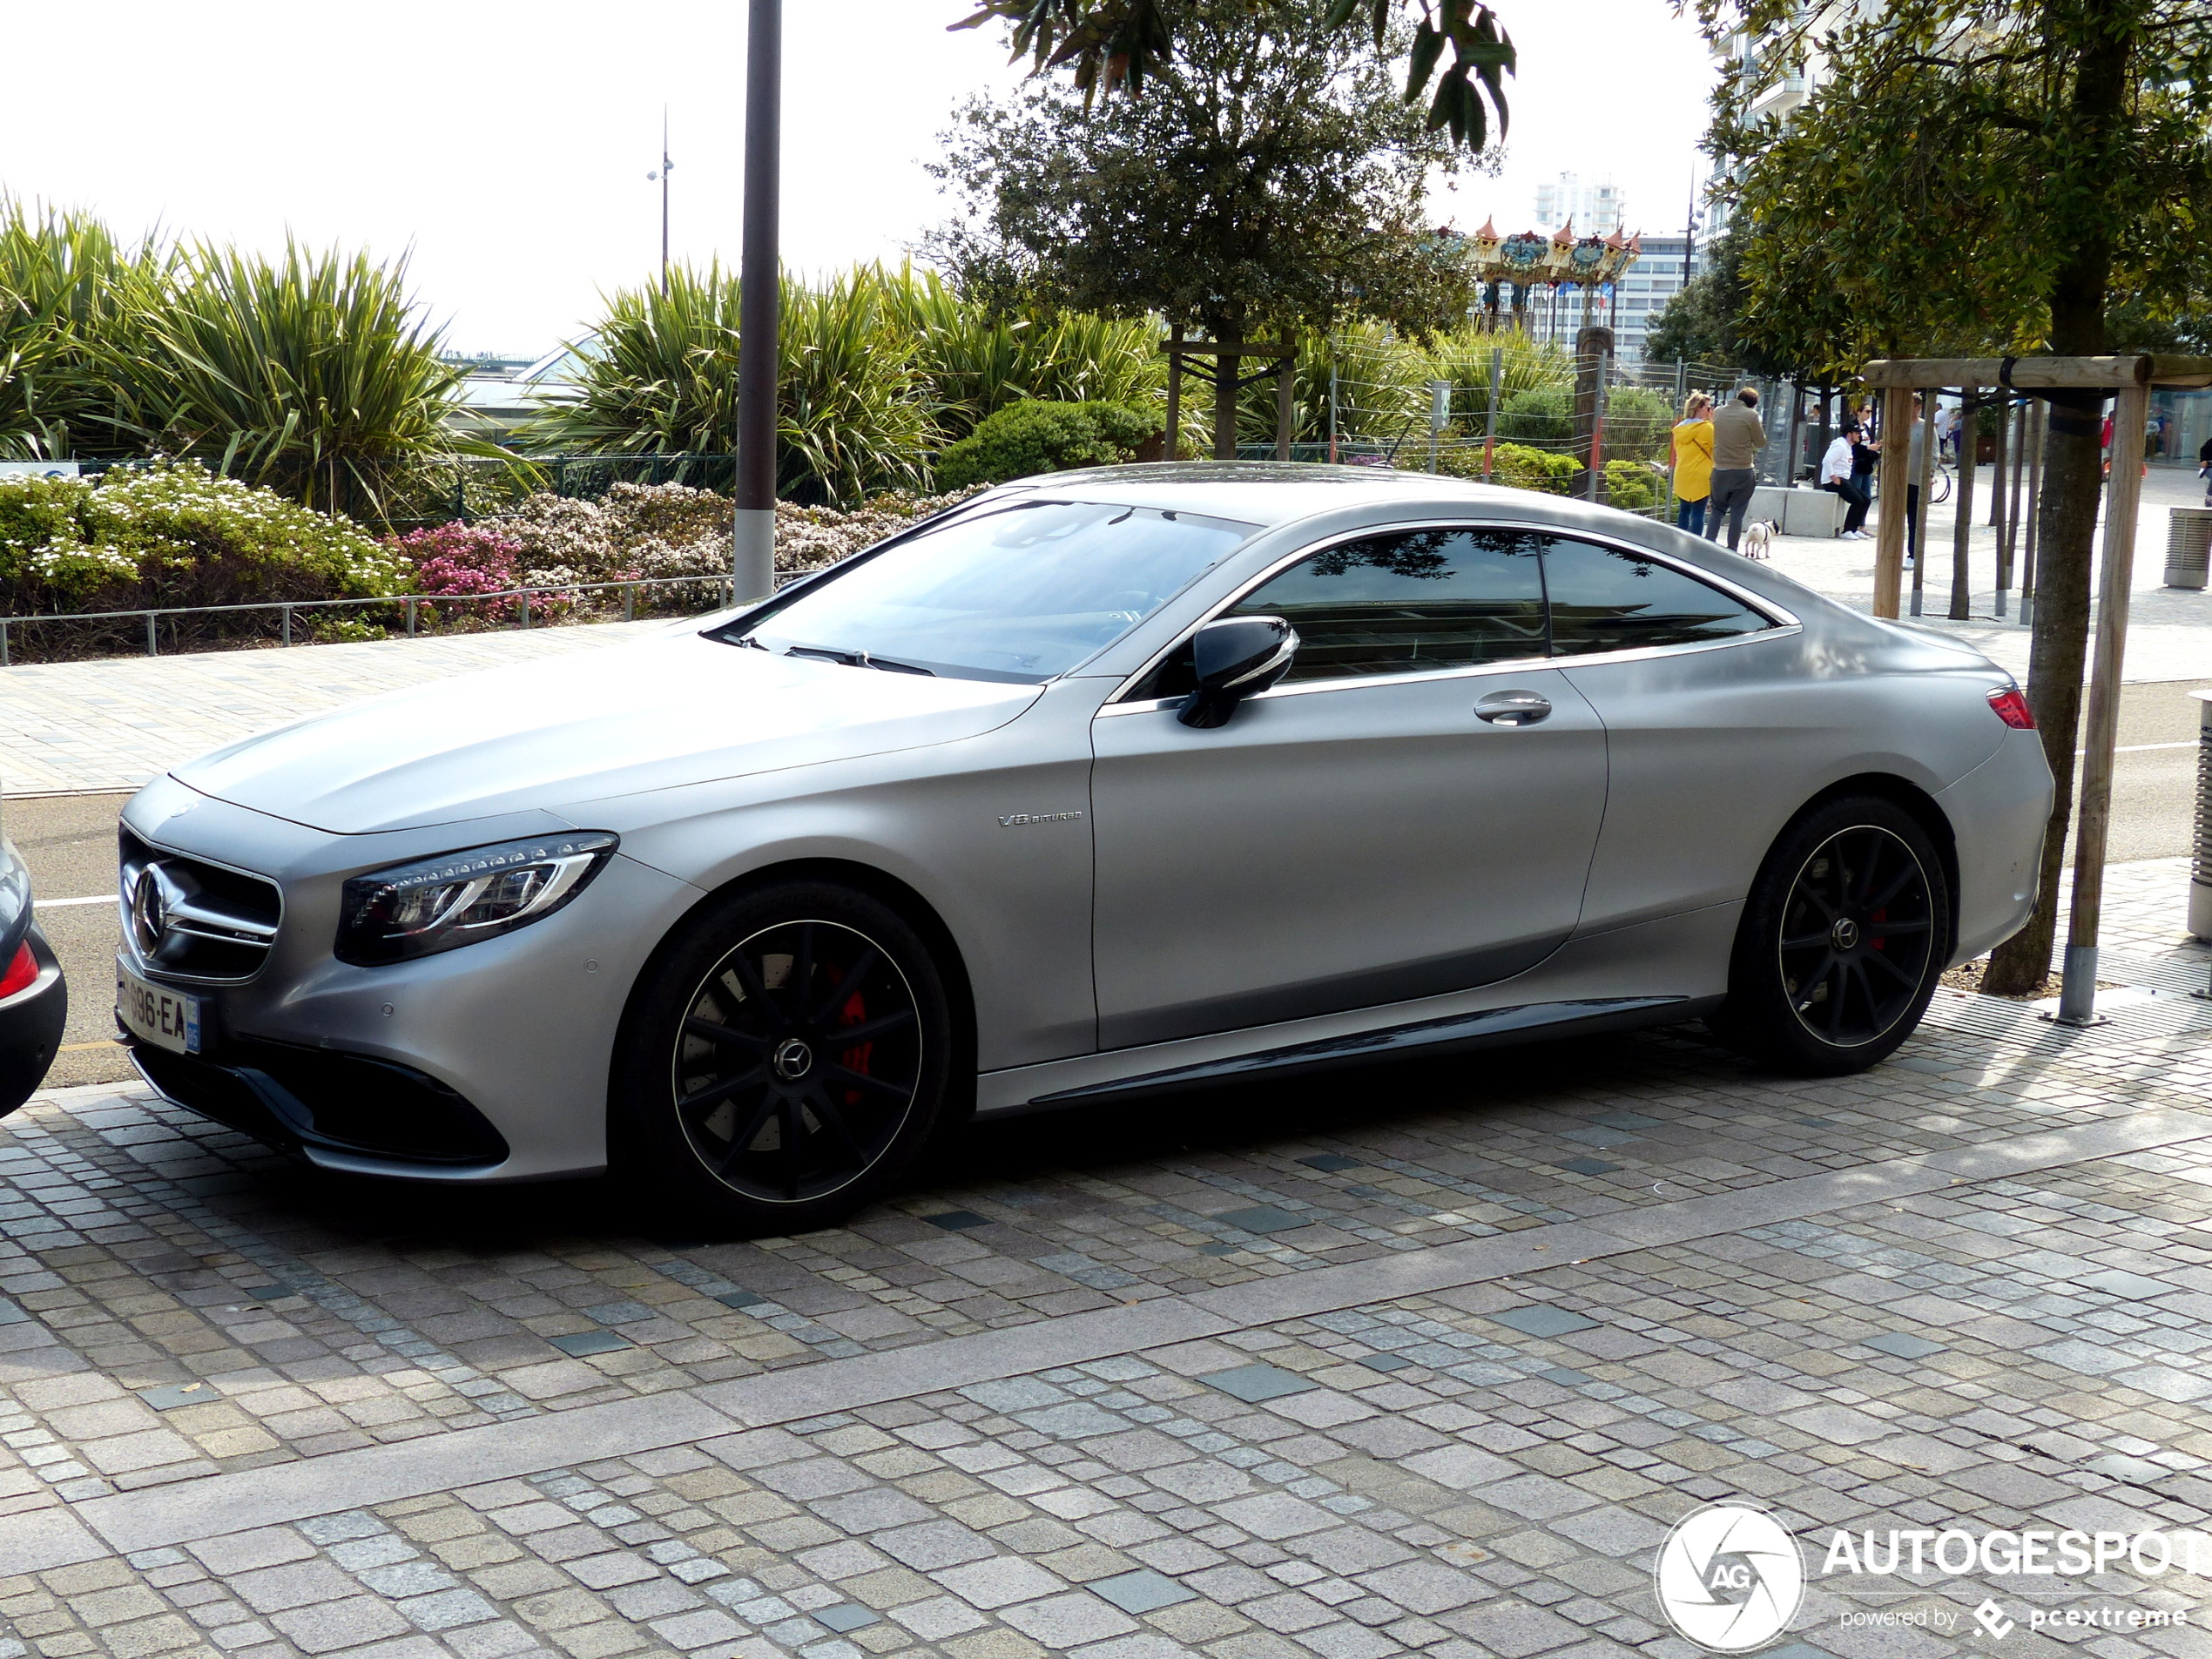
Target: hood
[(670, 710)]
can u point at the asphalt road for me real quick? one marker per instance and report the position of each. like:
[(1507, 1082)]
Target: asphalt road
[(69, 842)]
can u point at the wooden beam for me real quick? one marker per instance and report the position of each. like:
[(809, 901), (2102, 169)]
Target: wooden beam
[(2034, 373), (1213, 348), (2180, 371), (2123, 498), (1889, 529)]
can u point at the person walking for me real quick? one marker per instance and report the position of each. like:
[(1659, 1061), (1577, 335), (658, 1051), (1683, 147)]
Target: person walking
[(1690, 454), (1916, 446), (1839, 477), (1738, 438), (2204, 468)]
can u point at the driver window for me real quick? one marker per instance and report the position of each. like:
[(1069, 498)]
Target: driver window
[(1413, 600)]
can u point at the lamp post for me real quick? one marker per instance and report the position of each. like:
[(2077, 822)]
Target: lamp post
[(760, 276), (666, 166)]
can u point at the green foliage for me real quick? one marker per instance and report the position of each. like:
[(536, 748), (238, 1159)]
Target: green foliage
[(1540, 414), (1633, 485), (660, 377), (1032, 437), (1969, 178), (1702, 323), (1123, 44), (175, 535), (1637, 422), (313, 375), (71, 299), (1518, 465), (1271, 177), (974, 361)]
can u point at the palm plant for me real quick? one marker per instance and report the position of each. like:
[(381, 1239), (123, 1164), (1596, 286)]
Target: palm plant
[(314, 374), (661, 378), (70, 295)]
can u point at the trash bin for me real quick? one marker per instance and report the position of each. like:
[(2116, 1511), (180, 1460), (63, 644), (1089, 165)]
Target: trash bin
[(2188, 547), (2201, 863)]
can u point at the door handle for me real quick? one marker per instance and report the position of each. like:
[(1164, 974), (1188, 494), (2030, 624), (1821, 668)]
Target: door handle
[(1513, 708)]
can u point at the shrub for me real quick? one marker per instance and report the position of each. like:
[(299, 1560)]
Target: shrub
[(1519, 467), (1035, 437), (1637, 423), (1633, 485), (1540, 414), (172, 535)]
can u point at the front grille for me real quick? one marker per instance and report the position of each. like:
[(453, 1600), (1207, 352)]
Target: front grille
[(188, 919)]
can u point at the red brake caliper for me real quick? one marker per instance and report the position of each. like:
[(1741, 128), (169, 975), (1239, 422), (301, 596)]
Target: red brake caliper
[(855, 1012)]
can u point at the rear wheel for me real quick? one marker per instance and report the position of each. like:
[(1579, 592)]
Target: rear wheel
[(1842, 940), (785, 1059)]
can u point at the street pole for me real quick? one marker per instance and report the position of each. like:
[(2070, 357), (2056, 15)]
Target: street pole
[(752, 567)]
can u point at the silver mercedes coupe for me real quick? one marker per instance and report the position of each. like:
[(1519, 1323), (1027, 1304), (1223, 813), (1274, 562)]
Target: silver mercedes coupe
[(1102, 784)]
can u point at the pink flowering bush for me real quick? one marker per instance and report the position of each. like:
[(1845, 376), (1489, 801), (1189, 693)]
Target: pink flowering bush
[(460, 559)]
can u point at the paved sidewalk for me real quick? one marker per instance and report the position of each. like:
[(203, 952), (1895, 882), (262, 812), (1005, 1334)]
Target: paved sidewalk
[(1422, 1359), (121, 721), (2169, 629)]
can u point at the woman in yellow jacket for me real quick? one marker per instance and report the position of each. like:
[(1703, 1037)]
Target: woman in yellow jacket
[(1690, 454)]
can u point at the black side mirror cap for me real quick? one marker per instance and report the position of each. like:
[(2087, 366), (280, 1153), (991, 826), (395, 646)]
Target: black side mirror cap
[(1234, 658)]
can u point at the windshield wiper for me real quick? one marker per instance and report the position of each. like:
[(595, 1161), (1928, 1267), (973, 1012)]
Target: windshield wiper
[(858, 659)]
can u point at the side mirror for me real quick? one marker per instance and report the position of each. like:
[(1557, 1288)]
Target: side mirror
[(1235, 658)]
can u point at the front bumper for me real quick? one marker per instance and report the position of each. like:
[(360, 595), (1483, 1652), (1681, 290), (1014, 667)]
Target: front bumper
[(486, 1063), (30, 1026)]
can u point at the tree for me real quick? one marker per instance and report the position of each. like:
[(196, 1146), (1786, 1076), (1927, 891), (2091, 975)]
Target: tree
[(1270, 178), (1702, 322), (1979, 176), (1120, 45)]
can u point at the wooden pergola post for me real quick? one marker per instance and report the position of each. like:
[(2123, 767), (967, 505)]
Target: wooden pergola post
[(1175, 393), (1285, 382), (1924, 486), (1962, 529), (2037, 416), (1889, 529), (2123, 499)]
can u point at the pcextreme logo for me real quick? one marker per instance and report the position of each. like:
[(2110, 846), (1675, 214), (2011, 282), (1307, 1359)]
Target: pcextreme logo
[(1729, 1577)]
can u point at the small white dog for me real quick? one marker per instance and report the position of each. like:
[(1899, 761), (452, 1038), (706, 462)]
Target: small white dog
[(1759, 538)]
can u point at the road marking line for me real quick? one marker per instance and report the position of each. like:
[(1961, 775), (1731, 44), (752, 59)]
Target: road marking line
[(55, 904), (2140, 748), (79, 1047)]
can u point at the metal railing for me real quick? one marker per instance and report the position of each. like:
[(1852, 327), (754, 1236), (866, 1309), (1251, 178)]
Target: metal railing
[(409, 604)]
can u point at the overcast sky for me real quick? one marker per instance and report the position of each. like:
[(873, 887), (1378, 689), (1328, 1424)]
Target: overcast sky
[(508, 146)]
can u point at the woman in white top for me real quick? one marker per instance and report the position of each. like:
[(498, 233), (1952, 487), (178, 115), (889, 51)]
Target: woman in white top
[(1835, 473)]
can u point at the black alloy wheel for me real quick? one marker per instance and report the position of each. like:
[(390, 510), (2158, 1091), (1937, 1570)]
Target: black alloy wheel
[(784, 1061), (1855, 933), (1845, 936)]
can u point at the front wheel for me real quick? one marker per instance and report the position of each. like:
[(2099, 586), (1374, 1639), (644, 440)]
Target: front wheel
[(1843, 939), (785, 1058)]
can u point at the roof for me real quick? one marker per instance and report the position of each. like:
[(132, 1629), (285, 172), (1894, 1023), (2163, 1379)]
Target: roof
[(1263, 492)]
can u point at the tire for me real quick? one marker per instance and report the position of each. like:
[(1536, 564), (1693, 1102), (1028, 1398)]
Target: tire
[(1844, 940), (748, 1107)]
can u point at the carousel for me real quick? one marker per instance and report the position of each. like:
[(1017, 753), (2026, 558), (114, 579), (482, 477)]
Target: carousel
[(1522, 276)]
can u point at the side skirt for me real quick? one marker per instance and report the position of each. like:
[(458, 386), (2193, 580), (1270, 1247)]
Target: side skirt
[(1531, 1021)]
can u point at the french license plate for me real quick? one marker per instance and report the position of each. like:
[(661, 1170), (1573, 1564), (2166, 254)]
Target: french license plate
[(155, 1014)]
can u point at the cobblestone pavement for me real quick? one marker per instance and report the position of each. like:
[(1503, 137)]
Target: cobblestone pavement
[(1423, 1359)]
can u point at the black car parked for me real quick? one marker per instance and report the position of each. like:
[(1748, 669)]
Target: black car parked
[(34, 998)]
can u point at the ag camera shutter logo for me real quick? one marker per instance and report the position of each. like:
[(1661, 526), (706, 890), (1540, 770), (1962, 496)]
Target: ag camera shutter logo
[(1729, 1578)]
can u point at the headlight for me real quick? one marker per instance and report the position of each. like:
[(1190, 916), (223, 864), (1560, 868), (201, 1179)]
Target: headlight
[(444, 903)]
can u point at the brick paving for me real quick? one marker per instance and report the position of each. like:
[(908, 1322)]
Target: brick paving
[(1483, 1469)]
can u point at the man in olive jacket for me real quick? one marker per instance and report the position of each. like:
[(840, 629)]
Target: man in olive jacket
[(1737, 439)]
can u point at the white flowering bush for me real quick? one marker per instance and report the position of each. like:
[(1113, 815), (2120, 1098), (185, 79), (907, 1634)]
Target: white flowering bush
[(176, 536), (640, 531), (170, 536)]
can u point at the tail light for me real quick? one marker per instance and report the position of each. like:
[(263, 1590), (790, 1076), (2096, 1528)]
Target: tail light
[(2011, 704), (21, 972)]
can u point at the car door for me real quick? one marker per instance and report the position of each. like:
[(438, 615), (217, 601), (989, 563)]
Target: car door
[(1411, 810), (1716, 731)]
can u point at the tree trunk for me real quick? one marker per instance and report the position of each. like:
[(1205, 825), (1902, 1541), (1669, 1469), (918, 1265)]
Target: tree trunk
[(2071, 482), (1226, 370)]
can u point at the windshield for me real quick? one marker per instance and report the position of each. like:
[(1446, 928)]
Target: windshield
[(1022, 592)]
